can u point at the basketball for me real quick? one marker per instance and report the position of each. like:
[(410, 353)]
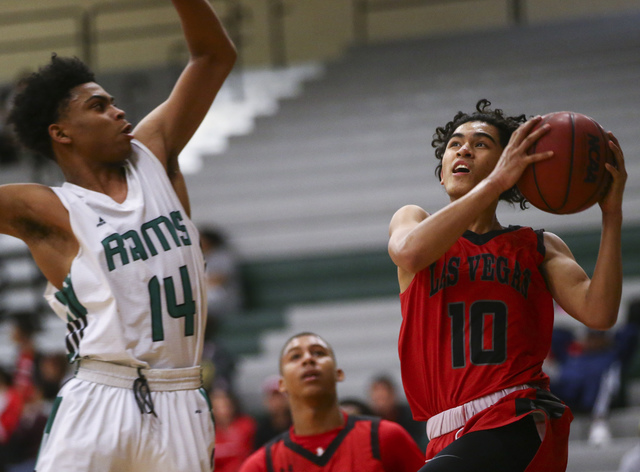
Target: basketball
[(575, 178)]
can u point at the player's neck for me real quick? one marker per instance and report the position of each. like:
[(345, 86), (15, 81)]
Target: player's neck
[(485, 222), (317, 419), (109, 180)]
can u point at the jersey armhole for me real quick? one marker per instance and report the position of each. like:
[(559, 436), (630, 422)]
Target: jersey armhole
[(541, 247), (375, 438)]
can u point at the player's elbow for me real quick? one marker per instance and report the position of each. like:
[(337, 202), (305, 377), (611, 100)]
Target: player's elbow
[(230, 55), (408, 260), (226, 58), (216, 58), (603, 323)]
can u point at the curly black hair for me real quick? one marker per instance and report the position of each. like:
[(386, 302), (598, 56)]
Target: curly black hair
[(505, 125), (43, 97)]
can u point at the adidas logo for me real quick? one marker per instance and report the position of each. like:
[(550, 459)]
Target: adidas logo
[(101, 222)]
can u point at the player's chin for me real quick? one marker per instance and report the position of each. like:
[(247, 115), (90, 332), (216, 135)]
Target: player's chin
[(458, 189), (123, 152)]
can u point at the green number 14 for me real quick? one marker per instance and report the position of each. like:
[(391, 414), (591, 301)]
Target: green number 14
[(186, 309)]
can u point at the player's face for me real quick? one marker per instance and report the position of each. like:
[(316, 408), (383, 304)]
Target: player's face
[(470, 156), (308, 368), (96, 127)]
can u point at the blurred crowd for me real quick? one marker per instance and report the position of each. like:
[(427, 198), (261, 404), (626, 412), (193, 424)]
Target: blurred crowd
[(27, 391), (590, 370)]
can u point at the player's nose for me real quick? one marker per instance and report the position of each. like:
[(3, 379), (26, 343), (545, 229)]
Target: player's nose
[(120, 114), (464, 150), (307, 358)]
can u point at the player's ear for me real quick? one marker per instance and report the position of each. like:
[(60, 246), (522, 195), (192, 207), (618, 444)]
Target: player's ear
[(339, 375), (281, 387), (57, 134)]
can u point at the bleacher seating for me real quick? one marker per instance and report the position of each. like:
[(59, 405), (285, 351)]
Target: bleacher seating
[(363, 334), (327, 173)]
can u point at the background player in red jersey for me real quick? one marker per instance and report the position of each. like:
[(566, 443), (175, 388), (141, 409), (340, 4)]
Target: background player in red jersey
[(324, 438), (477, 301)]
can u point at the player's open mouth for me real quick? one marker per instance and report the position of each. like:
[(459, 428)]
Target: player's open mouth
[(461, 169), (310, 376)]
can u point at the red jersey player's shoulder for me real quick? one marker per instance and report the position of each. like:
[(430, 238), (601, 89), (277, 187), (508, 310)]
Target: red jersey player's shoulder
[(256, 462), (398, 451)]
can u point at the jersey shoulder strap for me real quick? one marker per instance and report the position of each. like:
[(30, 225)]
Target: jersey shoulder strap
[(375, 433), (267, 449)]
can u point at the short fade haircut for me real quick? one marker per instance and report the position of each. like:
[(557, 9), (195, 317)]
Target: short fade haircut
[(300, 335), (42, 99), (505, 125)]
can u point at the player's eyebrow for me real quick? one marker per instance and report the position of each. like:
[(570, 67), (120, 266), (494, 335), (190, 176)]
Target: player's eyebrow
[(300, 348), (294, 348), (105, 98), (477, 134), (321, 346)]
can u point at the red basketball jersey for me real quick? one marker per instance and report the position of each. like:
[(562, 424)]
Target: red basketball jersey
[(476, 321), (355, 448)]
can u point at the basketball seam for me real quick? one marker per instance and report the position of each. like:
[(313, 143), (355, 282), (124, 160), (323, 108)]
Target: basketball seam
[(535, 175), (573, 150)]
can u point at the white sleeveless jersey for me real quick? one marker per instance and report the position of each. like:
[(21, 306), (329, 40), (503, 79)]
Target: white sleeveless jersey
[(136, 292)]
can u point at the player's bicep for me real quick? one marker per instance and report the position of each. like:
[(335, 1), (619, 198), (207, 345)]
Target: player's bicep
[(566, 279)]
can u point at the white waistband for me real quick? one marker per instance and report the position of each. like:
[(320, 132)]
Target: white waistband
[(159, 380), (455, 418)]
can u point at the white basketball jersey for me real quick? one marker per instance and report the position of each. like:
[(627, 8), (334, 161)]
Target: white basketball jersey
[(136, 292)]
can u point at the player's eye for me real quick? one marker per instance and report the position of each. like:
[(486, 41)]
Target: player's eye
[(293, 356)]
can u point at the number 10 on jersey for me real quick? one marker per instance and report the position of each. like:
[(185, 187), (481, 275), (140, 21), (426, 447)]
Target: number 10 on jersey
[(487, 328)]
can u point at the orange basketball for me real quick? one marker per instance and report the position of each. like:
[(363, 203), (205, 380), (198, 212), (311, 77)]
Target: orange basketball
[(575, 178)]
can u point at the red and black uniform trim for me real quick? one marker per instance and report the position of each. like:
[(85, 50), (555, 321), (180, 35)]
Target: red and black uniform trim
[(321, 461)]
